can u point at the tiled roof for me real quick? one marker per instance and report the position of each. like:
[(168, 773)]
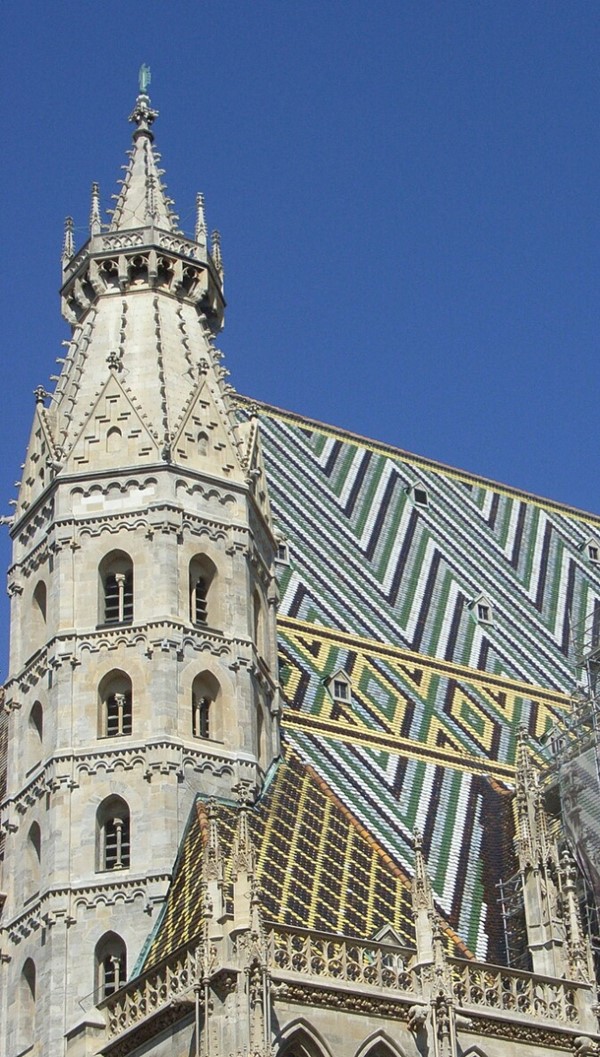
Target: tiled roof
[(317, 867), (382, 583), (365, 558)]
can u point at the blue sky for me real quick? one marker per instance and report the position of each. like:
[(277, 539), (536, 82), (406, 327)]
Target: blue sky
[(407, 194)]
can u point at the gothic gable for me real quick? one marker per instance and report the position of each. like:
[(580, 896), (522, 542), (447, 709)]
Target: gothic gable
[(206, 440), (38, 466), (114, 433)]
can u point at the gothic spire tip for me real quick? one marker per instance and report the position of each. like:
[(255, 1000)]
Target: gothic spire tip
[(142, 114)]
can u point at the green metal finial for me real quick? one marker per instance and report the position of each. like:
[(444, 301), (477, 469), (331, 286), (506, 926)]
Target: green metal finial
[(144, 78)]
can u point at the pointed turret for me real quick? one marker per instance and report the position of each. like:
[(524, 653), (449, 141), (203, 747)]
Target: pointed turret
[(142, 200), (143, 243)]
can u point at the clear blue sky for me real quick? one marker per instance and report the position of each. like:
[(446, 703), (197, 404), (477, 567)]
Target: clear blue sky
[(407, 194)]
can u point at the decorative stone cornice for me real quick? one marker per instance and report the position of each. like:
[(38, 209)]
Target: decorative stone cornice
[(51, 906)]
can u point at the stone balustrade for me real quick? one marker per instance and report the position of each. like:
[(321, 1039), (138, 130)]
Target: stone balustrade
[(297, 953), (169, 981), (489, 987)]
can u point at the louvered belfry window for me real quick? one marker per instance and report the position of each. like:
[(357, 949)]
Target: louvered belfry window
[(119, 715), (201, 601), (118, 598), (116, 843)]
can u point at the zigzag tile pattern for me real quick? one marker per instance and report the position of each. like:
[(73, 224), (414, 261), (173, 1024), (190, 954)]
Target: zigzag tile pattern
[(421, 744), (366, 558), (383, 581)]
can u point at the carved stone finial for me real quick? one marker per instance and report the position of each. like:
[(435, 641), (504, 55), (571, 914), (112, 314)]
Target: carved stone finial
[(242, 851), (114, 361), (151, 197), (216, 252), (40, 394), (200, 233), (142, 114), (95, 219), (213, 861), (68, 244), (422, 894)]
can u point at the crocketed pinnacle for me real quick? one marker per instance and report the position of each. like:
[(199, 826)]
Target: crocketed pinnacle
[(142, 201)]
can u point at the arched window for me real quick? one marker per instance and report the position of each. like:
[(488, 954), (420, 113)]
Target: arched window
[(110, 965), (202, 443), (35, 734), (202, 574), (116, 588), (114, 439), (113, 835), (34, 859), (116, 705), (39, 600), (301, 1043), (26, 1005), (205, 717)]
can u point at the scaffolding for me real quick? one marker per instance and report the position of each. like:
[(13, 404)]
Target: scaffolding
[(571, 783), (510, 897), (573, 774)]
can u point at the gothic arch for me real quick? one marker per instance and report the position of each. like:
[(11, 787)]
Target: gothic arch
[(33, 859), (115, 601), (475, 1051), (300, 1039), (259, 622), (379, 1044), (110, 965), (113, 835), (39, 600), (38, 615), (115, 704), (206, 712), (35, 734), (202, 594), (26, 1004)]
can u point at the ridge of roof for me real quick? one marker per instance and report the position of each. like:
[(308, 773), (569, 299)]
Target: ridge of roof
[(385, 448)]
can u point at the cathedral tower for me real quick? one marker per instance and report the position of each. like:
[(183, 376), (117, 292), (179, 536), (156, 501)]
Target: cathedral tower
[(143, 652)]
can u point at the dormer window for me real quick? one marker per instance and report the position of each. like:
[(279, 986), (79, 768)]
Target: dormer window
[(418, 494), (283, 554), (482, 609), (340, 687), (340, 690), (590, 549)]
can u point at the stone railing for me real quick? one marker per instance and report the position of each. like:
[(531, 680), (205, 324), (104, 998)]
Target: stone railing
[(292, 952), (489, 987), (167, 982), (338, 958)]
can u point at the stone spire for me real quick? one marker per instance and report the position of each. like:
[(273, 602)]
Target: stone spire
[(142, 200)]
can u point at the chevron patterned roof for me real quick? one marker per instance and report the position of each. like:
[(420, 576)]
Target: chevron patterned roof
[(383, 582), (388, 557)]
